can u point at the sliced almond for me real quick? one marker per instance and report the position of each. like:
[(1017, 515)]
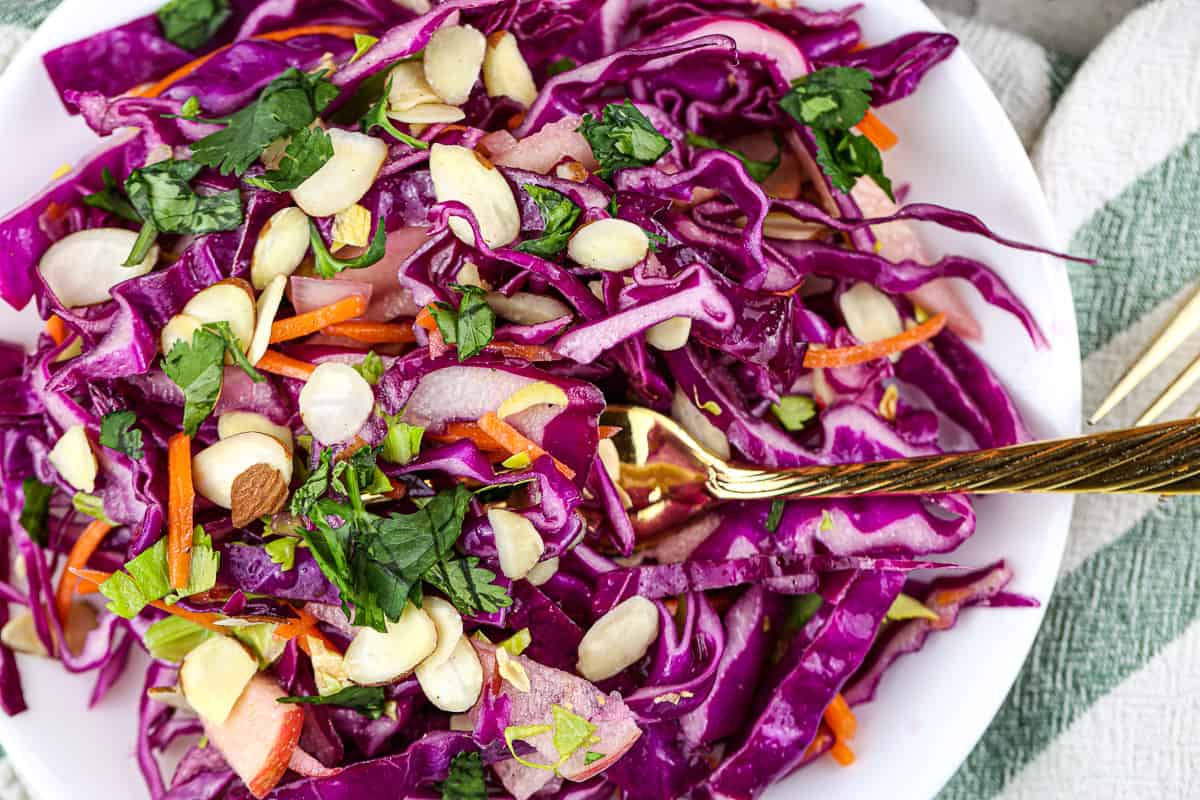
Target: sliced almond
[(527, 308), (266, 309), (428, 114), (214, 675), (82, 268), (518, 543), (231, 423), (415, 6), (72, 456), (869, 313), (329, 668), (670, 335), (229, 301), (542, 571), (409, 87), (217, 467), (511, 670), (335, 402), (530, 395), (459, 174), (449, 625), (179, 328), (258, 492), (611, 245), (619, 639), (169, 696), (20, 632), (281, 247), (375, 658), (685, 412), (453, 685), (572, 171), (610, 458), (352, 226), (346, 177), (505, 72), (453, 59), (468, 275), (779, 225)]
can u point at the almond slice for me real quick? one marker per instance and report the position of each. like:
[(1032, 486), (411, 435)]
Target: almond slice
[(257, 492), (526, 308), (611, 245), (453, 59), (216, 468), (179, 328), (518, 543), (409, 87), (505, 72), (453, 685), (231, 423), (345, 178), (870, 314), (103, 252), (335, 402), (267, 307), (462, 175), (281, 247), (375, 658), (670, 335), (449, 625), (619, 639), (229, 301), (428, 114)]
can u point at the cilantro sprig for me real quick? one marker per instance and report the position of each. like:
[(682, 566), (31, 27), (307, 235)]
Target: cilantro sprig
[(559, 216), (327, 265), (758, 170), (165, 202), (197, 368), (192, 23), (830, 102), (471, 326), (465, 780), (289, 104), (370, 701), (112, 199), (308, 151), (35, 510), (623, 137), (377, 117)]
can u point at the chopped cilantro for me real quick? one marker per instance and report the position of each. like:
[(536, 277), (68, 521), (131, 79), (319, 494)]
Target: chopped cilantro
[(117, 433), (327, 266), (758, 170), (776, 515), (560, 66), (192, 23), (197, 368), (377, 117), (112, 199), (370, 701), (591, 757), (465, 780), (559, 216), (35, 510), (165, 202), (308, 151), (282, 551), (794, 411), (471, 326), (623, 138)]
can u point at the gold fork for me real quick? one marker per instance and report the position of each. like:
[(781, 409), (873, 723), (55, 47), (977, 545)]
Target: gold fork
[(663, 466)]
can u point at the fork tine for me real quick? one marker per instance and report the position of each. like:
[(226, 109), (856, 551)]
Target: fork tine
[(1183, 325), (1181, 384)]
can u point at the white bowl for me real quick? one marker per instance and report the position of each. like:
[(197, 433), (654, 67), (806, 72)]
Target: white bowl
[(957, 148)]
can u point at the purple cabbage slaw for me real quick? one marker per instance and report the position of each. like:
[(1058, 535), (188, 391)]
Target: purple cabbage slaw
[(730, 696)]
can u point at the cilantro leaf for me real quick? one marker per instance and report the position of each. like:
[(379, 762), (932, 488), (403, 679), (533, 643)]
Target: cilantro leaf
[(794, 411), (370, 701), (465, 780), (287, 105), (834, 98), (145, 580), (371, 368), (377, 117), (327, 266), (559, 216), (758, 170), (623, 138), (234, 347), (471, 326), (830, 102), (471, 588), (591, 757), (656, 240), (112, 199), (117, 432), (308, 151), (163, 198), (776, 515), (313, 488), (192, 23), (560, 66), (197, 368), (803, 608), (35, 510)]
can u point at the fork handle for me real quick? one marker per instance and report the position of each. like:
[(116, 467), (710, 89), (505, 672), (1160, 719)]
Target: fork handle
[(1159, 459)]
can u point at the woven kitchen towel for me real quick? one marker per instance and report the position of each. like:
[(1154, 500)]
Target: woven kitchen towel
[(1109, 703)]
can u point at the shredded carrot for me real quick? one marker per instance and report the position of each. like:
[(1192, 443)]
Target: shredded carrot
[(200, 618), (607, 431), (880, 135), (842, 753), (304, 626), (515, 442), (181, 501), (372, 332), (278, 364), (515, 121), (425, 319), (156, 89), (948, 597), (456, 431), (528, 352), (312, 321), (57, 329), (81, 551), (840, 718), (859, 354)]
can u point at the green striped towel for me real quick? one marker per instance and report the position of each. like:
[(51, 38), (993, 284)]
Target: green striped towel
[(1107, 704)]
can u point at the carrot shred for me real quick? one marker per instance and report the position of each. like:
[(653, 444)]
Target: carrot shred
[(859, 354), (880, 134), (312, 321), (304, 626), (181, 501), (425, 319), (157, 88), (607, 431), (842, 753), (457, 431), (57, 329), (372, 332), (840, 718), (81, 551), (528, 352), (202, 619), (515, 442), (278, 364)]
